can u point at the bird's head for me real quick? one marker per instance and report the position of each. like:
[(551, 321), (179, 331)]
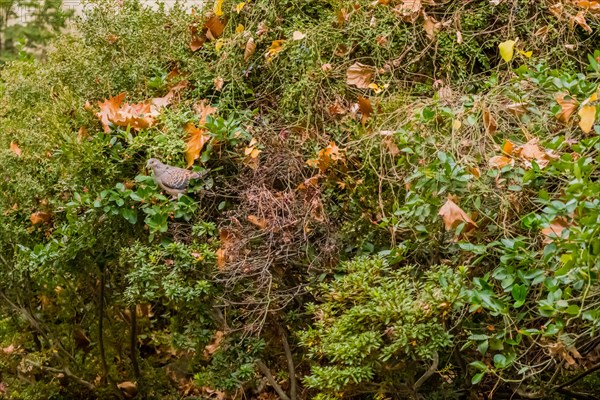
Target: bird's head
[(153, 163)]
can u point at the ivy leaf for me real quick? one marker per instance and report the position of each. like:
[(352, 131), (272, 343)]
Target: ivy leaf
[(519, 294)]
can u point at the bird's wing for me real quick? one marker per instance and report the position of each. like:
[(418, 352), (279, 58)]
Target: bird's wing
[(175, 178)]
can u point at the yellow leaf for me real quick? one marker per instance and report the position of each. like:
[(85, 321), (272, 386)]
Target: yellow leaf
[(239, 29), (456, 124), (527, 54), (588, 117), (275, 48), (360, 75), (219, 45), (453, 216), (218, 7), (297, 35), (507, 49), (240, 6)]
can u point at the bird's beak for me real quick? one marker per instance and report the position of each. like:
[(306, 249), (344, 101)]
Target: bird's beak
[(148, 164)]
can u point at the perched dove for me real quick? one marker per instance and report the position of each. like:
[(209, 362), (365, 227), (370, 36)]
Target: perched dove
[(172, 180)]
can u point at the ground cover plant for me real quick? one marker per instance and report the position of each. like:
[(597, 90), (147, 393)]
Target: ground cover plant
[(399, 199)]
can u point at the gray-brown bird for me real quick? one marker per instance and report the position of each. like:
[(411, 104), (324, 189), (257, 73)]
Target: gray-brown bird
[(173, 180)]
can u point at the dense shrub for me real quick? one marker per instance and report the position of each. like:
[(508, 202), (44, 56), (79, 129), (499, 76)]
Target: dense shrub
[(312, 253)]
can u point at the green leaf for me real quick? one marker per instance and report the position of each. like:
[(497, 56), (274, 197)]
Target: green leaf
[(500, 361), (519, 294), (479, 365), (477, 378)]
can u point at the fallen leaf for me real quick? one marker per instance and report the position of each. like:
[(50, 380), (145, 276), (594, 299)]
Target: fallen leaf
[(360, 75), (326, 67), (114, 111), (382, 40), (568, 105), (500, 162), (579, 19), (128, 388), (215, 27), (508, 147), (297, 35), (275, 48), (40, 217), (527, 54), (531, 151), (391, 147), (592, 6), (587, 115), (325, 157), (459, 38), (555, 229), (556, 9), (226, 238), (82, 134), (216, 343), (366, 109), (218, 82), (507, 49), (14, 147), (240, 6), (249, 49), (336, 109), (431, 26), (8, 349), (197, 138), (262, 29), (452, 216), (342, 17), (218, 9), (203, 109), (489, 122), (261, 223), (252, 151), (517, 109), (240, 28), (408, 10)]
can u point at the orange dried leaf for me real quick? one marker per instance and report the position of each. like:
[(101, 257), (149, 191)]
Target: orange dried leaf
[(365, 107), (203, 109), (500, 162), (40, 217), (218, 82), (531, 151), (14, 147), (452, 216), (555, 229), (336, 109), (360, 75), (592, 6), (489, 122), (508, 147), (198, 137), (567, 107), (325, 157), (587, 115), (579, 19), (216, 343), (261, 223), (214, 26)]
